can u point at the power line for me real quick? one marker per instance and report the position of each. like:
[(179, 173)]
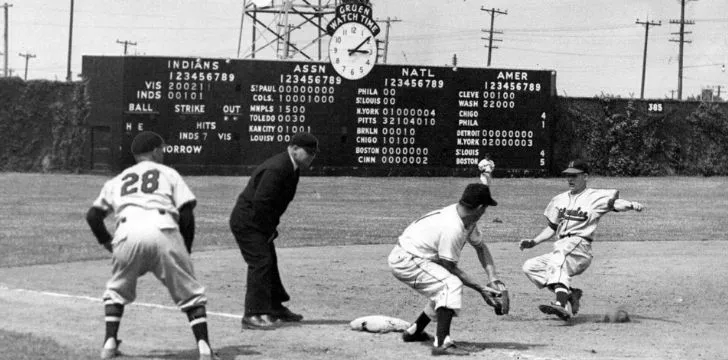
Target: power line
[(681, 41), (126, 44), (6, 6), (70, 43), (647, 25), (27, 57), (389, 21), (589, 54), (493, 12)]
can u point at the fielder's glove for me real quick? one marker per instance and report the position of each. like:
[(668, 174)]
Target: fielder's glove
[(501, 304)]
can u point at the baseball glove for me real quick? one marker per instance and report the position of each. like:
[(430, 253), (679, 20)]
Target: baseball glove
[(501, 304)]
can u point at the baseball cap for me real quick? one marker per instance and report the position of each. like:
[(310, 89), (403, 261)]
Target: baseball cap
[(306, 141), (477, 194), (577, 166), (145, 142)]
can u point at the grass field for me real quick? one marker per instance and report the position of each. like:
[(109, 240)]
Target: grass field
[(43, 215), (43, 218)]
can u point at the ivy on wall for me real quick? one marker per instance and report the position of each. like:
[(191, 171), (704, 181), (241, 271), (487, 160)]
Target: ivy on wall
[(620, 138), (43, 128), (42, 125)]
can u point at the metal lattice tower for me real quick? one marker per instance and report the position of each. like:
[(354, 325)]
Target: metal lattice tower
[(292, 26)]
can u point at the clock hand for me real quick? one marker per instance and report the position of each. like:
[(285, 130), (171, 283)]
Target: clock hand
[(356, 49)]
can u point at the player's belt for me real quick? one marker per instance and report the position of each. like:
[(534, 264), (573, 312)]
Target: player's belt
[(571, 235), (161, 212)]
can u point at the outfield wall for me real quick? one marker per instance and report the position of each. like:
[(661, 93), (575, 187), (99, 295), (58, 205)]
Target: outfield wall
[(57, 126), (221, 115)]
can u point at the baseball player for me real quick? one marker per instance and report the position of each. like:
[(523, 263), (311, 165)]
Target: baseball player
[(485, 168), (426, 259), (155, 227), (573, 216)]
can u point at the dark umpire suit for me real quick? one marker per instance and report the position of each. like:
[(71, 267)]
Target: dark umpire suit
[(254, 221)]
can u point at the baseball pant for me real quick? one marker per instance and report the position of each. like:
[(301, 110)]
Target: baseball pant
[(146, 248), (433, 281), (570, 257), (264, 290)]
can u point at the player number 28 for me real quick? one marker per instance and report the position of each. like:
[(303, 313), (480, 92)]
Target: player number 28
[(149, 182)]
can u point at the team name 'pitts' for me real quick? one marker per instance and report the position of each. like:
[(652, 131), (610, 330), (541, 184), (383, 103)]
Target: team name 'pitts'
[(573, 214)]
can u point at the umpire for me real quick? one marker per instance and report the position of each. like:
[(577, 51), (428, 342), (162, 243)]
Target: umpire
[(254, 220)]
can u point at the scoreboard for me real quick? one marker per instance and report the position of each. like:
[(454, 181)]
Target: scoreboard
[(218, 112)]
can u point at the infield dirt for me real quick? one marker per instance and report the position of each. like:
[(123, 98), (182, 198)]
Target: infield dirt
[(674, 291)]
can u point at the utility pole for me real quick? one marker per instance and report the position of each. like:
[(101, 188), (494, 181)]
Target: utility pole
[(6, 6), (647, 25), (490, 39), (70, 42), (389, 22), (27, 57), (126, 44), (380, 50), (240, 34), (681, 42)]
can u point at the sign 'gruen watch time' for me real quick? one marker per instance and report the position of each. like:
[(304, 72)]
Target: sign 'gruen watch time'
[(353, 47)]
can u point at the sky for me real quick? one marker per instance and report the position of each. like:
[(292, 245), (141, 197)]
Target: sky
[(595, 46)]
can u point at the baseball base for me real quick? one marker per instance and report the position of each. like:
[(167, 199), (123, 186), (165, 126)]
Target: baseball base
[(378, 324)]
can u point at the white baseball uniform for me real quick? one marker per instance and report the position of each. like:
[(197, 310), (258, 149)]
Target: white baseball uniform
[(485, 167), (575, 218), (440, 234), (145, 199)]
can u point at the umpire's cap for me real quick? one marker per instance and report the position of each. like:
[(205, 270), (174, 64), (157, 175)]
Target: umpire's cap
[(477, 194), (145, 142), (307, 141), (577, 166)]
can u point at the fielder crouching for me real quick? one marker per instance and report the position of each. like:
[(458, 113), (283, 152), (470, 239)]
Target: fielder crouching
[(426, 259)]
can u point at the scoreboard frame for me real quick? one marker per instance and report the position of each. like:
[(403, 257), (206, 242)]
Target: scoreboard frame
[(225, 116)]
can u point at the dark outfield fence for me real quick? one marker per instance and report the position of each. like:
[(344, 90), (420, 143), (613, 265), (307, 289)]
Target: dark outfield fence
[(43, 126), (64, 127)]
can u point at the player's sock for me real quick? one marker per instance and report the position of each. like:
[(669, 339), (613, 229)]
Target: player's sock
[(419, 325), (444, 318), (112, 317), (562, 294), (198, 322)]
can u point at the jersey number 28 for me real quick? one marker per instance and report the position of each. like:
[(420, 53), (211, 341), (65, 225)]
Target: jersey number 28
[(149, 182)]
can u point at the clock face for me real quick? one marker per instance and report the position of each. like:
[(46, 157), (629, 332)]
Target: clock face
[(352, 50)]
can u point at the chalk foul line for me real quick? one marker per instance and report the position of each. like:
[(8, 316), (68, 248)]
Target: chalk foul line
[(94, 299)]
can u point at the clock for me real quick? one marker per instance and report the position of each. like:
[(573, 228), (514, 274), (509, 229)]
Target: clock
[(352, 50)]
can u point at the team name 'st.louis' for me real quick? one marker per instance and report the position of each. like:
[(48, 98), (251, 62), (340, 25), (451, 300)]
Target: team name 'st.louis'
[(573, 214)]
